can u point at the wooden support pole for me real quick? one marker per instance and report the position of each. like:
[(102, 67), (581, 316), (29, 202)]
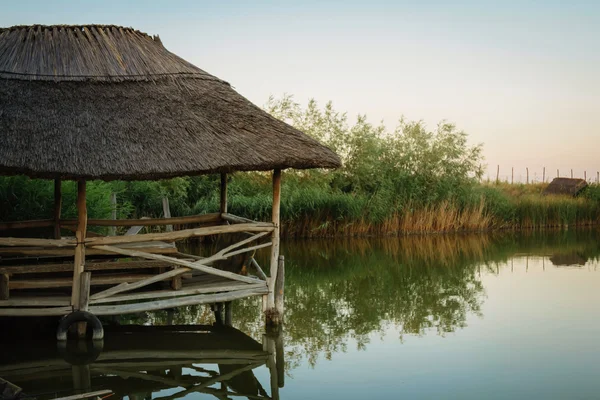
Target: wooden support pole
[(597, 176), (112, 230), (167, 212), (498, 175), (80, 247), (274, 239), (557, 173), (223, 193), (585, 175), (4, 286), (571, 173), (84, 300), (527, 169), (512, 175), (79, 266), (57, 207), (279, 286)]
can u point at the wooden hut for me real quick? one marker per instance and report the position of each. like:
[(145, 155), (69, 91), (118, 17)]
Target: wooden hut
[(565, 186), (107, 102)]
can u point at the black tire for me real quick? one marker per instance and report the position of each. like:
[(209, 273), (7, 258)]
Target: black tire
[(80, 316)]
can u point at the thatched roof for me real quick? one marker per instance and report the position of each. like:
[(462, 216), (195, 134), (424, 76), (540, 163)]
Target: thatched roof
[(107, 102), (565, 186)]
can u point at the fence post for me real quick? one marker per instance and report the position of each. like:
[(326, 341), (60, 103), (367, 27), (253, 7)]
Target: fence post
[(571, 173), (557, 173), (497, 174), (512, 175), (544, 175), (585, 175), (527, 175)]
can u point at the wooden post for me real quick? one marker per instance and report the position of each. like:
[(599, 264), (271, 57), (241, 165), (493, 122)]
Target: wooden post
[(167, 212), (597, 176), (571, 173), (497, 174), (544, 175), (4, 286), (274, 240), (279, 286), (57, 207), (280, 360), (223, 193), (527, 175), (585, 175), (512, 175), (84, 292), (557, 173), (229, 313), (80, 235), (112, 230)]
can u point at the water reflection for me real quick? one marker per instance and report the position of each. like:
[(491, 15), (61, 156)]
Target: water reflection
[(460, 311), (145, 362)]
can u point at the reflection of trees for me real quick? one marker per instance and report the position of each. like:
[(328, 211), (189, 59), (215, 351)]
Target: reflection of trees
[(337, 291)]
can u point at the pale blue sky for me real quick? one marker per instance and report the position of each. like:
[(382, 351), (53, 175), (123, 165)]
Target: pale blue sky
[(523, 77)]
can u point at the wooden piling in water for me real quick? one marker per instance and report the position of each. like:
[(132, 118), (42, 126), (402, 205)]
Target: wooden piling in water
[(271, 310)]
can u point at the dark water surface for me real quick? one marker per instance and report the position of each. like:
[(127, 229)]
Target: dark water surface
[(442, 317)]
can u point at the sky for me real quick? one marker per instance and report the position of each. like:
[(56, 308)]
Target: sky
[(521, 77)]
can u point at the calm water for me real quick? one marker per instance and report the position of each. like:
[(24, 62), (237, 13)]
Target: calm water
[(445, 317)]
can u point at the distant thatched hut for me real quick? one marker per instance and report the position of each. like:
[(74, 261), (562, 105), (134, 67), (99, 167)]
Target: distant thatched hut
[(107, 102), (565, 186)]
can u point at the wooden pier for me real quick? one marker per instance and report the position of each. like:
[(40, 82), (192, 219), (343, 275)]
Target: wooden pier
[(112, 275), (125, 108)]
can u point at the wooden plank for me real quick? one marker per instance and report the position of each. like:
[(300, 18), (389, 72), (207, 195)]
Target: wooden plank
[(85, 395), (195, 289), (234, 219), (176, 261), (35, 312), (258, 269), (134, 230), (32, 301), (16, 284), (40, 223), (89, 266), (126, 286), (176, 302), (38, 252), (193, 219), (14, 242), (182, 234)]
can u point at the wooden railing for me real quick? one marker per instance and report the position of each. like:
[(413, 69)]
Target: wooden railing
[(239, 285)]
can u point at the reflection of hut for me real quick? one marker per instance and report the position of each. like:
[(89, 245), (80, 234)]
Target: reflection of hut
[(565, 186), (568, 259), (107, 102), (144, 360)]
